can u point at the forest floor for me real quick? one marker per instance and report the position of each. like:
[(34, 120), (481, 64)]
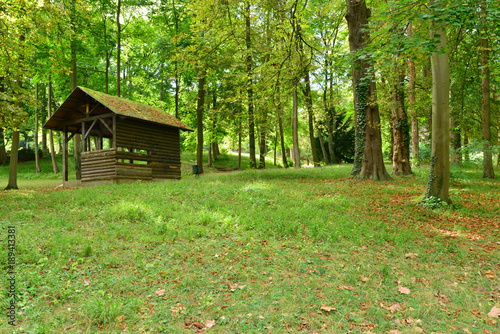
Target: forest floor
[(257, 251)]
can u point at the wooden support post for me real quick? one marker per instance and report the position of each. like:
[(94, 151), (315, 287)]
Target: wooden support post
[(114, 132), (65, 155), (84, 138)]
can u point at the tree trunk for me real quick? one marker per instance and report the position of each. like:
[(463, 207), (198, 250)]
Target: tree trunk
[(275, 147), (412, 108), (51, 134), (400, 128), (3, 153), (106, 74), (466, 147), (199, 118), (456, 148), (210, 155), (262, 144), (251, 124), (322, 145), (295, 126), (176, 70), (77, 139), (280, 123), (488, 170), (13, 161), (329, 118), (309, 105), (118, 46), (239, 147), (35, 135), (369, 161), (439, 177)]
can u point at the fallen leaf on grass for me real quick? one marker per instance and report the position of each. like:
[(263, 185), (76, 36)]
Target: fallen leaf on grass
[(490, 274), (411, 255), (327, 309), (395, 307), (160, 292), (403, 290), (394, 331), (495, 312), (210, 323), (347, 287), (86, 282)]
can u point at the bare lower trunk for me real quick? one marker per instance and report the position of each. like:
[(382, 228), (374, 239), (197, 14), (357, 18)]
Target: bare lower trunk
[(456, 148), (118, 47), (51, 135), (488, 170), (199, 118), (400, 128), (295, 127), (439, 177), (322, 145), (3, 153), (262, 144), (251, 124), (309, 105), (412, 108), (35, 135), (210, 155), (13, 161), (239, 148)]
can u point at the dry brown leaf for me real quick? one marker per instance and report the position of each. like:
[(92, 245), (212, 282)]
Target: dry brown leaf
[(347, 287), (495, 312), (395, 307), (418, 329), (403, 290), (490, 274), (160, 292), (411, 255), (326, 308), (394, 331), (210, 323), (86, 282), (120, 318)]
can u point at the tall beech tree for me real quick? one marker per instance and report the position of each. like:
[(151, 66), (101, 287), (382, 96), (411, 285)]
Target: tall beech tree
[(368, 161), (439, 177)]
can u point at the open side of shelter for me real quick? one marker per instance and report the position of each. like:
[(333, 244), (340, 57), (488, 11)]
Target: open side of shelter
[(143, 142)]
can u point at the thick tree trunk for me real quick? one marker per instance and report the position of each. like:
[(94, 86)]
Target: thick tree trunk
[(369, 161), (412, 108), (251, 121), (3, 153), (439, 177), (310, 116), (400, 127), (199, 118), (13, 161), (295, 126), (35, 135), (488, 170), (118, 46)]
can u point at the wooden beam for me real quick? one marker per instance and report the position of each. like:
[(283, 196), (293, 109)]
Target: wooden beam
[(107, 126), (88, 119), (72, 110), (114, 131), (90, 128), (84, 142)]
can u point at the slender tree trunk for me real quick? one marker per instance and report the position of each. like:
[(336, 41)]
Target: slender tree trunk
[(310, 116), (275, 147), (118, 46), (210, 155), (45, 148), (369, 161), (106, 75), (456, 152), (295, 126), (262, 145), (239, 146), (3, 153), (322, 145), (439, 177), (35, 135), (466, 147), (280, 123), (401, 148), (329, 119), (412, 107), (488, 170), (251, 124), (176, 70), (199, 117), (77, 139), (51, 134)]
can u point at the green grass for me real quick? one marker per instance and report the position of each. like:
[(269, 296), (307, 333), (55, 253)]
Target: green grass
[(256, 251)]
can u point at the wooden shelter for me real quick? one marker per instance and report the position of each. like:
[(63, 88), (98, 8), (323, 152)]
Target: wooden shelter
[(143, 141)]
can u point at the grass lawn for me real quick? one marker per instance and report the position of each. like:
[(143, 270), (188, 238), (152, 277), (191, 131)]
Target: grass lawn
[(254, 251)]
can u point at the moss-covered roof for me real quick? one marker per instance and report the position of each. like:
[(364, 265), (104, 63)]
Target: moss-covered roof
[(75, 108), (134, 109)]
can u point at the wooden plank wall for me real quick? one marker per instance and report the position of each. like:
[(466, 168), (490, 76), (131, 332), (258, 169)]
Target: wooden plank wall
[(99, 165), (161, 142)]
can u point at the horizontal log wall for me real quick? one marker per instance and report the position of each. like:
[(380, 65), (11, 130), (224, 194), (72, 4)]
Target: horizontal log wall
[(161, 142), (99, 165)]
